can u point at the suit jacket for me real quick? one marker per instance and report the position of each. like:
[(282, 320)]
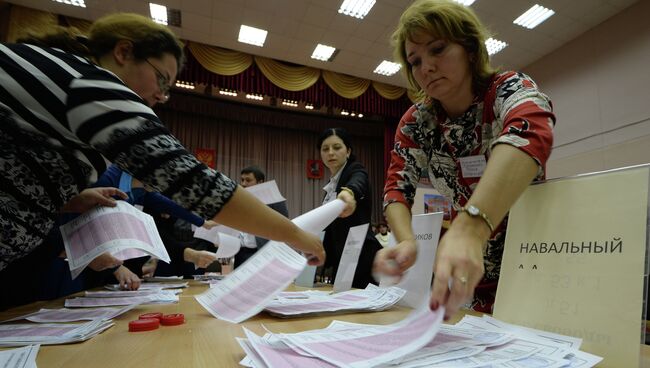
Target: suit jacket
[(355, 177)]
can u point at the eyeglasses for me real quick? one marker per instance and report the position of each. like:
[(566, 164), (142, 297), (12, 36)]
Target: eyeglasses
[(163, 82)]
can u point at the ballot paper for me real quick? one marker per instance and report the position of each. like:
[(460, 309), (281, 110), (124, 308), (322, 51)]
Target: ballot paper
[(371, 299), (152, 286), (474, 342), (24, 357), (73, 315), (50, 333), (160, 297), (267, 192), (113, 230), (245, 291), (318, 219), (350, 258), (359, 347)]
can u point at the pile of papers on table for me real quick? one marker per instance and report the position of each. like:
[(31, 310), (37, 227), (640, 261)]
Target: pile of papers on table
[(113, 298), (420, 340), (301, 303), (51, 333), (24, 357)]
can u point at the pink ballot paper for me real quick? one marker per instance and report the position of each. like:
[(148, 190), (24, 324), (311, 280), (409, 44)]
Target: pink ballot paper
[(116, 230), (246, 291)]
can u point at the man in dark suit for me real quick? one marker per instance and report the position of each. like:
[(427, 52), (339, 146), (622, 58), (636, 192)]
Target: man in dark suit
[(253, 175)]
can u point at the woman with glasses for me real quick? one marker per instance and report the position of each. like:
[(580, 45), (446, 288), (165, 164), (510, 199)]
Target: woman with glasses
[(69, 104)]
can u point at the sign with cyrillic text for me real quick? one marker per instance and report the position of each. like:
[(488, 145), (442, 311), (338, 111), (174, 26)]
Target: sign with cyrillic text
[(574, 261), (417, 279), (350, 258)]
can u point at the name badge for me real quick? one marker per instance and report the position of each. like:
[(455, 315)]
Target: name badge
[(472, 166)]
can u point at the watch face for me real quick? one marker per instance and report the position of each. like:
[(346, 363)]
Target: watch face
[(473, 210)]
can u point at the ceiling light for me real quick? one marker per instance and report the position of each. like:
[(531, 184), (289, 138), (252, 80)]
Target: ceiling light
[(356, 8), (252, 35), (79, 3), (387, 68), (227, 92), (254, 96), (158, 13), (359, 115), (533, 16), (323, 52), (291, 103), (465, 2), (183, 84), (309, 106), (493, 46)]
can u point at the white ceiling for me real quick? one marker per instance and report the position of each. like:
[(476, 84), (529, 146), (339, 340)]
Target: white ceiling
[(296, 26)]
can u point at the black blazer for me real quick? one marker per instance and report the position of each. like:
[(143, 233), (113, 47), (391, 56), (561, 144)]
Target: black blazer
[(355, 177), (280, 207)]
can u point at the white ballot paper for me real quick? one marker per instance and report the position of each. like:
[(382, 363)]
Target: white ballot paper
[(267, 192), (362, 347), (228, 245), (245, 292), (318, 219), (110, 229), (350, 258), (24, 357)]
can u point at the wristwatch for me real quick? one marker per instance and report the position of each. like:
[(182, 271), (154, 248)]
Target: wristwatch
[(475, 212)]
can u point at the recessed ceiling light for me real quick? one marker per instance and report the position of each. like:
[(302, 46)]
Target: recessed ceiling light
[(323, 52), (533, 16), (356, 8), (79, 3), (158, 13), (465, 2), (252, 35), (387, 68), (493, 46)]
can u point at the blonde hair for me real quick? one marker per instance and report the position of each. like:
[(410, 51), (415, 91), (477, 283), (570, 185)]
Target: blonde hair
[(447, 20), (149, 38)]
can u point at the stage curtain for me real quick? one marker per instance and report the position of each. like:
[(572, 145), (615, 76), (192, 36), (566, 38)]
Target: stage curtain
[(291, 78), (345, 85), (220, 61)]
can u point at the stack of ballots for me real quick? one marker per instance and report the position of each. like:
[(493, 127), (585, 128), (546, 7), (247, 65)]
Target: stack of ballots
[(51, 333), (420, 340), (371, 299)]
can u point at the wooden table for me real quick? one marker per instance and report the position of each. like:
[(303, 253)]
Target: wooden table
[(203, 341)]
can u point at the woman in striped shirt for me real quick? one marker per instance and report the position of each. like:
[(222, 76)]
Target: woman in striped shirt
[(70, 104)]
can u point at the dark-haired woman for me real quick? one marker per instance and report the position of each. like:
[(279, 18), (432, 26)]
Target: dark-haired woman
[(349, 183)]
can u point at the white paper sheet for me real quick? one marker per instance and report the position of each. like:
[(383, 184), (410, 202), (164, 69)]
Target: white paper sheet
[(24, 357), (110, 229), (417, 279), (228, 246), (267, 192), (350, 258), (318, 219)]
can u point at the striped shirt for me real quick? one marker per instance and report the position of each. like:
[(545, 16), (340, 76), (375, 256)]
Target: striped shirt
[(63, 120)]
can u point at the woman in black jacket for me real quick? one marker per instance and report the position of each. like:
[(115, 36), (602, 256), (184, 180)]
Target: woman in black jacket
[(348, 182)]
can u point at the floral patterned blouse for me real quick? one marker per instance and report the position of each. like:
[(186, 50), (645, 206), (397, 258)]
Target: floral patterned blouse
[(427, 142)]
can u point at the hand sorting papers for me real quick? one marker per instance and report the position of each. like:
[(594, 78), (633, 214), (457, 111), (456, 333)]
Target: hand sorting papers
[(247, 290), (111, 229), (372, 299)]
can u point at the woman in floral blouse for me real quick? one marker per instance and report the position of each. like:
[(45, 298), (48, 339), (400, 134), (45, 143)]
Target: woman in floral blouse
[(481, 137)]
